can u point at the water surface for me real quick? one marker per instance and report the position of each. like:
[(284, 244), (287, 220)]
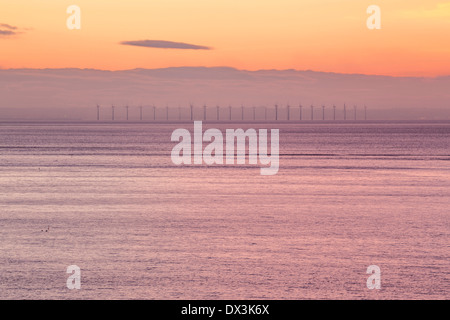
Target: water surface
[(347, 195)]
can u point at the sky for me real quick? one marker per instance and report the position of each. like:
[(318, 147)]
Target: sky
[(319, 35)]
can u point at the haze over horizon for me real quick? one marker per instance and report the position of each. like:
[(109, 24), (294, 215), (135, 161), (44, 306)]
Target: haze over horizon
[(37, 93), (233, 68)]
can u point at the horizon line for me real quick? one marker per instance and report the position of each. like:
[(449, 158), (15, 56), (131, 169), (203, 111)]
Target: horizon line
[(233, 68)]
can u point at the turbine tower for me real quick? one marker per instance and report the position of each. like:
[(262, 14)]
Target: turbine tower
[(288, 112), (312, 112), (192, 112), (345, 112), (98, 112), (254, 113), (354, 107), (204, 112), (300, 111), (276, 112), (112, 112), (365, 112), (242, 113), (154, 113), (167, 113), (334, 112), (140, 113), (126, 107), (230, 111), (323, 112), (218, 113)]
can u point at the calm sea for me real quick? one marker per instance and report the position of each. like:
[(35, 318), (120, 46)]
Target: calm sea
[(107, 198)]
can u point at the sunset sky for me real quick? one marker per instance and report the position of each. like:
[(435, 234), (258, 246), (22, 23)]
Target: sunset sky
[(320, 35)]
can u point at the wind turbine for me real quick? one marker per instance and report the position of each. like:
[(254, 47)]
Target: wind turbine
[(323, 112), (334, 112), (300, 111), (98, 112), (312, 112)]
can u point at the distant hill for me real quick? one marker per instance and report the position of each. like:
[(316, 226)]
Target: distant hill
[(73, 93)]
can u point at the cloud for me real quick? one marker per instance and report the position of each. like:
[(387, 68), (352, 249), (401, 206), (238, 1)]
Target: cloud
[(164, 44), (7, 26), (8, 30)]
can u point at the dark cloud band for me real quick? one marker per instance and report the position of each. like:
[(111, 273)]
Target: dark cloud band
[(7, 26), (8, 30), (164, 44)]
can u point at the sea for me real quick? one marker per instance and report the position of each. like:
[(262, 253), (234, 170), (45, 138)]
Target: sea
[(107, 198)]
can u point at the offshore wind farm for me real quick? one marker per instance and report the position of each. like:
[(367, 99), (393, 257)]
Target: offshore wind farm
[(217, 113)]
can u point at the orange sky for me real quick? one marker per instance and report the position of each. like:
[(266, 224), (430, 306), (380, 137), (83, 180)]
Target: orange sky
[(321, 35)]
